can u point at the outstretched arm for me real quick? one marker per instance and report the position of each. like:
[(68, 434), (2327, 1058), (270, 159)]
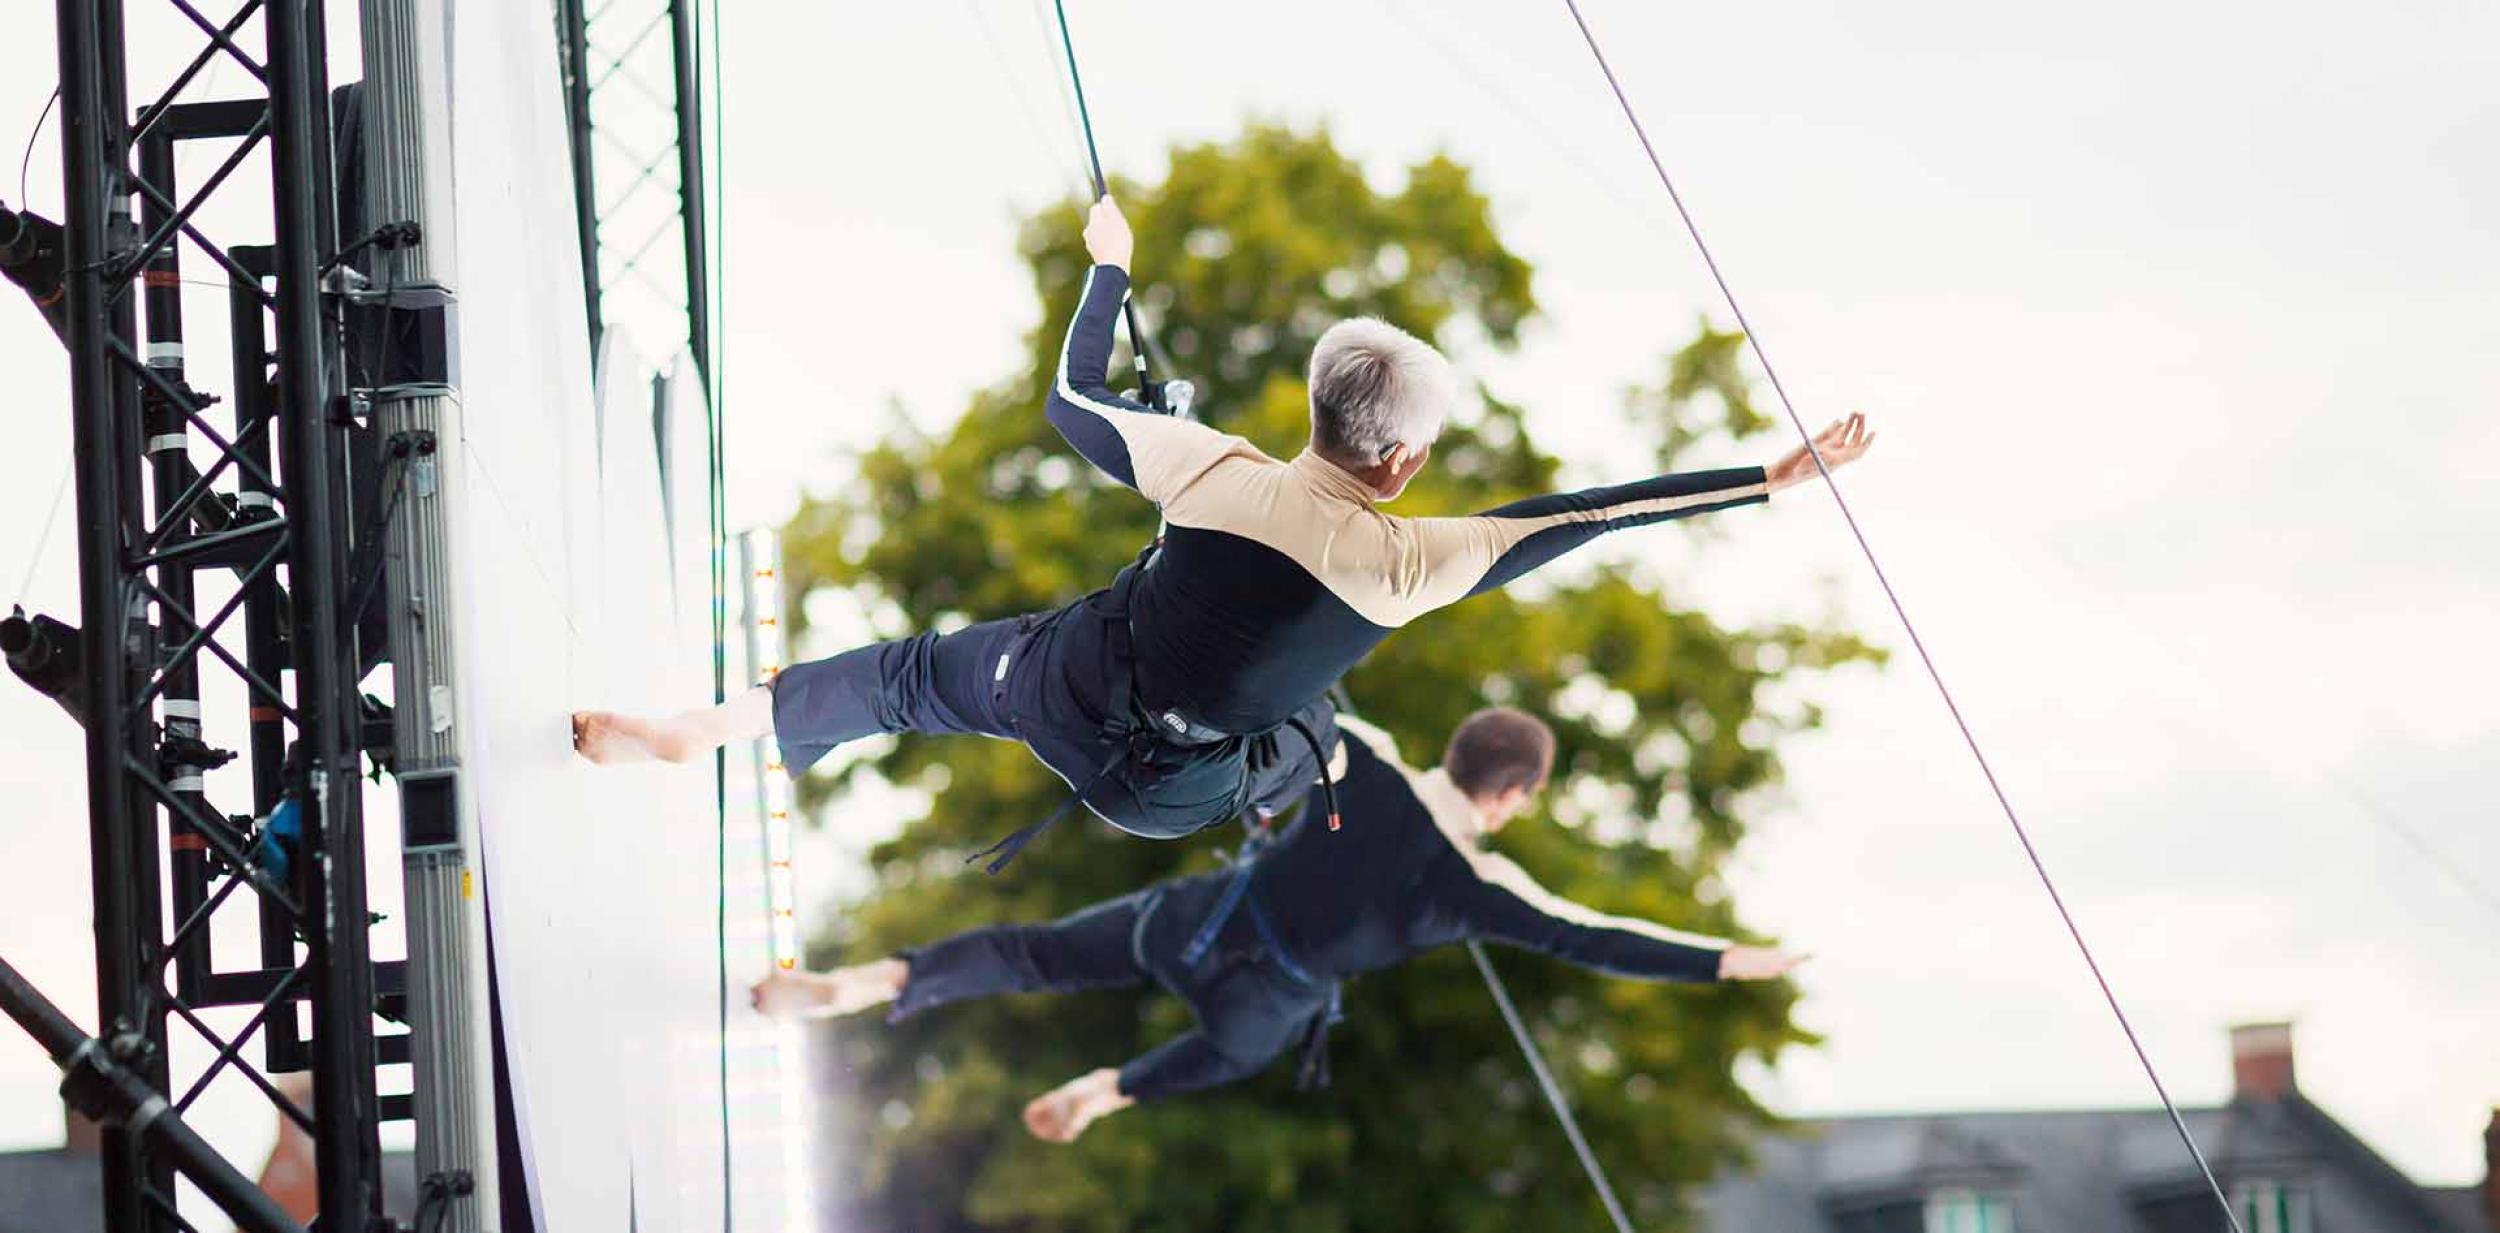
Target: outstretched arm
[(1526, 534), (1131, 442), (1507, 905), (1503, 543)]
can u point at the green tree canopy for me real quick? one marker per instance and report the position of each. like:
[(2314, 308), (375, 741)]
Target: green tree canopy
[(1247, 250)]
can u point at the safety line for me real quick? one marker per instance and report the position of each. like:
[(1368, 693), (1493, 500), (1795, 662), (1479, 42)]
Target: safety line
[(2004, 802), (1553, 1091), (716, 418), (1015, 84), (1138, 344)]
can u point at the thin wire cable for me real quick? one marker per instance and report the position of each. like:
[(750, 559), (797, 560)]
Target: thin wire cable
[(27, 160), (716, 418), (1491, 87), (60, 492), (2413, 839), (1024, 101), (2217, 698), (1553, 1090), (1059, 82), (1754, 342), (43, 540)]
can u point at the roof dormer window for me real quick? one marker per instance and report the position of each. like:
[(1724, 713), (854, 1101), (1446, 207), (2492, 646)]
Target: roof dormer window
[(2272, 1207), (1971, 1211)]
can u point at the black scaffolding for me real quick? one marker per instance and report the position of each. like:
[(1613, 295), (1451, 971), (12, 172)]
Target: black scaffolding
[(270, 504)]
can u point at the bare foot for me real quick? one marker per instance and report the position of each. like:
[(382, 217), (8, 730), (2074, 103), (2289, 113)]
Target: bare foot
[(1062, 1113), (610, 739), (843, 991), (791, 995)]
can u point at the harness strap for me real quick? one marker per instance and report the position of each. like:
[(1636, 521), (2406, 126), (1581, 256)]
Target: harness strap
[(1015, 842), (1204, 940), (1275, 946), (1313, 1073)]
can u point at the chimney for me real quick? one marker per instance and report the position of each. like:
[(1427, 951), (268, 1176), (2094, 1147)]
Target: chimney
[(2491, 1171), (2261, 1062), (84, 1137)]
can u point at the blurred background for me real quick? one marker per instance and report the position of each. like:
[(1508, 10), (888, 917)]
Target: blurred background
[(2175, 325)]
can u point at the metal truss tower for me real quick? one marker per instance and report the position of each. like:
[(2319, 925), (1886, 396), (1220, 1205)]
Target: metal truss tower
[(634, 86), (198, 534)]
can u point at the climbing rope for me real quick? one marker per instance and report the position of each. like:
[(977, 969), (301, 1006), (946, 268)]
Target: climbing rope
[(1139, 341), (2004, 802), (1553, 1090)]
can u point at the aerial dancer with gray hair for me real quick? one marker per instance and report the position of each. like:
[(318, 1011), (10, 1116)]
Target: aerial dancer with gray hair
[(1259, 952), (1194, 687)]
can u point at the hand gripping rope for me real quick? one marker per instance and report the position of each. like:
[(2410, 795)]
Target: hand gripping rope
[(1172, 396)]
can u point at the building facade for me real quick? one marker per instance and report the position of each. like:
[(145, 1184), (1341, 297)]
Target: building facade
[(2287, 1165)]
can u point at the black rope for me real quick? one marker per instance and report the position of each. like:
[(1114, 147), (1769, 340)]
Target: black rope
[(1139, 344), (1553, 1090), (2004, 802)]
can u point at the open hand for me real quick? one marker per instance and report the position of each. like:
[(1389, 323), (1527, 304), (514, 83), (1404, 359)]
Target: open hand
[(1107, 237), (1844, 442), (1756, 963)]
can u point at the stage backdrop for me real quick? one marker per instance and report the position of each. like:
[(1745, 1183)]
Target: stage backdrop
[(599, 883)]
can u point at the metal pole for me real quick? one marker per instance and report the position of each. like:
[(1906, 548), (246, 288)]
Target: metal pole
[(405, 65), (1553, 1090), (150, 1057), (690, 188), (264, 614), (91, 150), (347, 1147), (170, 473), (100, 1087)]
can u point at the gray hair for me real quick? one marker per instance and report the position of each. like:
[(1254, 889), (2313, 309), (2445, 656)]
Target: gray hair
[(1373, 386)]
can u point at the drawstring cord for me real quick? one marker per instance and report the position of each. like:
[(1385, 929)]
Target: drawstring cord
[(1327, 782)]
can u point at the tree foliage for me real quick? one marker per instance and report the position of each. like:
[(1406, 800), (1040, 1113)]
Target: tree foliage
[(1248, 249)]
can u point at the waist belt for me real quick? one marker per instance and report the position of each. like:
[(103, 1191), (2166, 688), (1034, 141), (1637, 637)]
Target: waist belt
[(1134, 728)]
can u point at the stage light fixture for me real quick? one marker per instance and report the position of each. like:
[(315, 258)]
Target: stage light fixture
[(44, 653), (30, 256)]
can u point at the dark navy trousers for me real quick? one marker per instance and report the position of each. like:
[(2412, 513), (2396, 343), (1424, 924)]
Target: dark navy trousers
[(1250, 1008), (1061, 682)]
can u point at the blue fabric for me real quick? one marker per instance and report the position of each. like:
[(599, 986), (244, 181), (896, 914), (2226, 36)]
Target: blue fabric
[(274, 852), (1249, 1011)]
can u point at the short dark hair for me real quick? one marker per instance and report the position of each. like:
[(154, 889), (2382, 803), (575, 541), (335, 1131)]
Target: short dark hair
[(1497, 749)]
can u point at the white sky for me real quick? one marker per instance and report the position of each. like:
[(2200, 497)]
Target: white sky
[(2175, 322)]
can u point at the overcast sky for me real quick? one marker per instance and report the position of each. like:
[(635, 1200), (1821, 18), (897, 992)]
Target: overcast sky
[(2176, 323)]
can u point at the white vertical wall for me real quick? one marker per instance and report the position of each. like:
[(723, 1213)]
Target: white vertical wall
[(600, 882)]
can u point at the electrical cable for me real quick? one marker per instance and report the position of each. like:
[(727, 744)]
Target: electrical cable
[(2005, 803)]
